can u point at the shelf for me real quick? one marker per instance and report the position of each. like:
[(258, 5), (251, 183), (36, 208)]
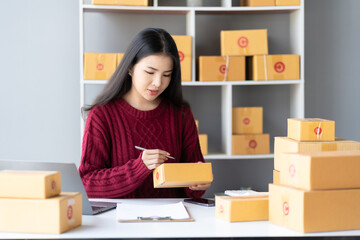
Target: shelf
[(218, 83), (237, 157)]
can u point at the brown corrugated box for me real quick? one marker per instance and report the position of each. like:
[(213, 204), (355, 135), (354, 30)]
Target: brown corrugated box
[(218, 68), (243, 144), (247, 120), (311, 129)]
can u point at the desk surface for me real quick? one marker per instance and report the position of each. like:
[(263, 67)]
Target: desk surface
[(206, 225)]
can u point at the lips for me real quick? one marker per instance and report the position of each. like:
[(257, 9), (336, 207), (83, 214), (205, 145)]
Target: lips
[(153, 92)]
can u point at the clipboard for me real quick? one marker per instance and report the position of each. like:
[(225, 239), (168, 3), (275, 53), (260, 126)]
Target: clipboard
[(154, 218)]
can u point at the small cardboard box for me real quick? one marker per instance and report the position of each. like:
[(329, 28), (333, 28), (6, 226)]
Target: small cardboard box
[(99, 66), (274, 67), (184, 46), (29, 184), (287, 2), (285, 144), (119, 58), (239, 209), (276, 177), (250, 144), (314, 211), (257, 3), (244, 42), (53, 215), (320, 170), (203, 139), (172, 175), (247, 120), (311, 129), (121, 2), (217, 68)]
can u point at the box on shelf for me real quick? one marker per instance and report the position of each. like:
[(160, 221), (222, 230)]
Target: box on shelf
[(172, 175), (244, 42), (122, 2), (29, 184), (203, 139), (274, 67), (285, 144), (287, 2), (320, 170), (247, 120), (53, 215), (257, 3), (276, 177), (239, 209), (243, 144), (184, 46), (218, 68), (119, 58), (314, 211), (99, 66), (311, 129)]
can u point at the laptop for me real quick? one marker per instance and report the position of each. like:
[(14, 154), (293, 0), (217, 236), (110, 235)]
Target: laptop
[(70, 181)]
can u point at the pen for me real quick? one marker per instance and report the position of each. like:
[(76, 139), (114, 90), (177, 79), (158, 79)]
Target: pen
[(143, 149)]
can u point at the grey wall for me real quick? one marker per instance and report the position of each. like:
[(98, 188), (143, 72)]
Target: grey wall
[(39, 88)]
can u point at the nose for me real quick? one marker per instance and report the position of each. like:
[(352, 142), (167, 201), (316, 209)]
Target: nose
[(157, 80)]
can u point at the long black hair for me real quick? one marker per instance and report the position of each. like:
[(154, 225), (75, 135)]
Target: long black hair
[(147, 42)]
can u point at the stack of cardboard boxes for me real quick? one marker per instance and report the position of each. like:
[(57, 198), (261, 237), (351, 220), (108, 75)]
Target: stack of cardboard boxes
[(32, 202), (248, 136), (316, 179)]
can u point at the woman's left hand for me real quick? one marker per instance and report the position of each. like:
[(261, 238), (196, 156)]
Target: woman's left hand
[(200, 187)]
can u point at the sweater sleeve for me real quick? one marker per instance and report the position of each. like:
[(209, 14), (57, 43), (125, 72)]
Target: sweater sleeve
[(191, 151), (100, 179)]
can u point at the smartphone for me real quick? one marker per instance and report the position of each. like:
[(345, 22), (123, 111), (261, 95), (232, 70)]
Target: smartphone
[(201, 201)]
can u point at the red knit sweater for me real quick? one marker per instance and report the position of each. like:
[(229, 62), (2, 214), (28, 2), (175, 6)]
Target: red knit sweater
[(110, 165)]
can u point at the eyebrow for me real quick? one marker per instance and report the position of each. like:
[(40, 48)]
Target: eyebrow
[(158, 69)]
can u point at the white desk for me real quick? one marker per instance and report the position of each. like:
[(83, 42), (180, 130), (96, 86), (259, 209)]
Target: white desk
[(206, 225)]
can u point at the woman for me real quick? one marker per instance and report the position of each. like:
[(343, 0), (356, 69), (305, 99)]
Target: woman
[(141, 105)]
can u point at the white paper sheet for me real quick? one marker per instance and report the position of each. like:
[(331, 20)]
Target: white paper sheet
[(175, 211), (244, 193)]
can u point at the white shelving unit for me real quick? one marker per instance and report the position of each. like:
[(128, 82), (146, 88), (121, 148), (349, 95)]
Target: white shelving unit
[(294, 44)]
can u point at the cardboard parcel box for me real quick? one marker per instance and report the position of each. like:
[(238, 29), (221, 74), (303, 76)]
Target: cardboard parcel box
[(122, 2), (320, 170), (276, 177), (171, 175), (99, 66), (247, 120), (203, 140), (239, 209), (184, 46), (285, 144), (217, 68), (243, 144), (244, 42), (53, 215), (274, 67), (311, 129), (287, 2), (29, 184), (314, 211), (257, 3)]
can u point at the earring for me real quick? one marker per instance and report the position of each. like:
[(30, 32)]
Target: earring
[(130, 74)]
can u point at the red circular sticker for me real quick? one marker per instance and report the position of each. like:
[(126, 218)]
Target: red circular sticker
[(53, 185), (223, 69), (100, 67), (157, 175), (318, 130), (286, 208), (181, 56), (243, 42), (221, 209), (279, 67), (252, 144), (246, 121), (292, 170), (70, 212)]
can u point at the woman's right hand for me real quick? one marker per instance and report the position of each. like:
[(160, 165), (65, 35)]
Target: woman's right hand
[(152, 158)]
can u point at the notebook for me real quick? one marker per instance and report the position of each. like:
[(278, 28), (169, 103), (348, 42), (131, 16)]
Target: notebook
[(70, 181)]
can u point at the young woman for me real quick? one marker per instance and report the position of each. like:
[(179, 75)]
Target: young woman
[(141, 105)]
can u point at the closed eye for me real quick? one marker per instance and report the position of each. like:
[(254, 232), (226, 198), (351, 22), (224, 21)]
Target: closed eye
[(151, 73)]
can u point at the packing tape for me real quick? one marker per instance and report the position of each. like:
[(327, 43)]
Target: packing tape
[(265, 67), (226, 58)]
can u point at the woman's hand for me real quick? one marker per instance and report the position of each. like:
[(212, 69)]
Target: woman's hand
[(152, 158), (200, 187)]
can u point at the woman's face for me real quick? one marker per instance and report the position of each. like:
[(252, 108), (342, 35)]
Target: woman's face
[(150, 77)]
